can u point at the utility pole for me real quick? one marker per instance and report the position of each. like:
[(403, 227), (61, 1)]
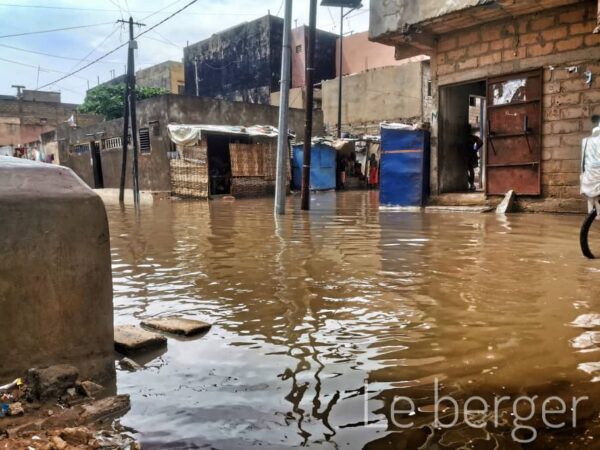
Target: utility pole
[(130, 116), (341, 85), (310, 71), (284, 100)]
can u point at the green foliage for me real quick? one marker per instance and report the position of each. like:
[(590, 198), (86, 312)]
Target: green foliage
[(108, 100)]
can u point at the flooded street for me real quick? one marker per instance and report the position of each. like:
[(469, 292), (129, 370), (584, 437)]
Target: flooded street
[(321, 319)]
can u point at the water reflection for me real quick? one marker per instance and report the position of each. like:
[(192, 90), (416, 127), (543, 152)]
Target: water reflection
[(310, 307)]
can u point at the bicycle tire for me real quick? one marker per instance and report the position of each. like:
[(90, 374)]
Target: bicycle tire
[(583, 235)]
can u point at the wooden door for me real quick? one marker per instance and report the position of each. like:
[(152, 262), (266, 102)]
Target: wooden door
[(514, 134)]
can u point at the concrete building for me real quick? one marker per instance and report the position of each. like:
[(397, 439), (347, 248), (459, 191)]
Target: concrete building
[(102, 143), (243, 63), (166, 75), (238, 64), (531, 68), (25, 117)]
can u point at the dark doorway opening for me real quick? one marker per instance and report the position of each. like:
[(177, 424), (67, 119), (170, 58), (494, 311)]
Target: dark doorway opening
[(97, 165), (219, 163), (462, 113)]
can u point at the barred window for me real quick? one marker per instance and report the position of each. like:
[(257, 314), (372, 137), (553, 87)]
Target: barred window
[(113, 143), (144, 140), (80, 148)]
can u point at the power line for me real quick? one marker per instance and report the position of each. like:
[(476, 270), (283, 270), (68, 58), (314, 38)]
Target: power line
[(161, 10), (111, 10), (55, 29), (50, 55), (122, 45), (96, 47), (43, 69)]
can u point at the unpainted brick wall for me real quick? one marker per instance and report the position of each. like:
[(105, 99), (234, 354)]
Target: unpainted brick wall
[(568, 102)]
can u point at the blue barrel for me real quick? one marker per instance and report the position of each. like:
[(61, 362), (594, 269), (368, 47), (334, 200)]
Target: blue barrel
[(404, 167), (322, 167)]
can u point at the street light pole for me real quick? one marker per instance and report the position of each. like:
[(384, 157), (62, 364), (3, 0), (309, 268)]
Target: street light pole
[(284, 100)]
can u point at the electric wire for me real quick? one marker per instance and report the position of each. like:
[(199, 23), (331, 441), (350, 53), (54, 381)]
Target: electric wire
[(56, 29), (187, 5)]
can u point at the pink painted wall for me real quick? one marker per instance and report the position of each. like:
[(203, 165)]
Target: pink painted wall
[(360, 54), (298, 41)]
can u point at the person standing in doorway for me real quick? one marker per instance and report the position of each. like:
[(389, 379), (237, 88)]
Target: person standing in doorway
[(474, 144), (373, 171)]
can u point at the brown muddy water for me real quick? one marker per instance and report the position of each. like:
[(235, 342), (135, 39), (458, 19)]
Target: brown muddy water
[(321, 320)]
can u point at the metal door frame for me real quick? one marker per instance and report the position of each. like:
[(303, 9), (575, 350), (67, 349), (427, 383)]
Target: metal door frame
[(535, 72)]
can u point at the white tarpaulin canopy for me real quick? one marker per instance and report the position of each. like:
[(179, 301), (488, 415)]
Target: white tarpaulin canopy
[(191, 134), (590, 165)]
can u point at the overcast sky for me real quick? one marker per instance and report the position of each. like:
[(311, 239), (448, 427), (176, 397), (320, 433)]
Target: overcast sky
[(37, 59)]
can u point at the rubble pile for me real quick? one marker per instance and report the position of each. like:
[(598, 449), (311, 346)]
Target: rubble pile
[(51, 409)]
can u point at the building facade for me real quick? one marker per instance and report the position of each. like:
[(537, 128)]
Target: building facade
[(243, 63), (24, 118), (529, 69), (101, 144), (239, 64)]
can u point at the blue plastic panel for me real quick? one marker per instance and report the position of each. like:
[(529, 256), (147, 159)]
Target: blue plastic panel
[(322, 167), (404, 167)]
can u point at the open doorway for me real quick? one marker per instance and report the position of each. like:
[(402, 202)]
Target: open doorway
[(97, 165), (462, 113), (219, 164)]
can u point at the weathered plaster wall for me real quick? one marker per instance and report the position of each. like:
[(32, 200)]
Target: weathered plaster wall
[(239, 64), (325, 56), (155, 114), (389, 93), (55, 272), (394, 16), (557, 38), (360, 55), (24, 121), (296, 98), (167, 75)]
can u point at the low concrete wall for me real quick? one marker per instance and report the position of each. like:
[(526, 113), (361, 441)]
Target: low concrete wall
[(389, 93), (55, 272)]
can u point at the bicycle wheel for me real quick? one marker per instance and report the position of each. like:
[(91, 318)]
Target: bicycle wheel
[(584, 234)]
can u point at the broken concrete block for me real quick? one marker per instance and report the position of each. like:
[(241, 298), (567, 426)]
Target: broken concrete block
[(105, 408), (129, 365), (89, 388), (131, 339), (52, 382), (177, 325), (507, 204)]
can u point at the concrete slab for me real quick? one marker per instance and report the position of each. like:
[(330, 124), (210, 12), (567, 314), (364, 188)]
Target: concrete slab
[(130, 339), (507, 204), (178, 325)]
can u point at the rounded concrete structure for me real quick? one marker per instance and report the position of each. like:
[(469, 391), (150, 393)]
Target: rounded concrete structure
[(55, 272)]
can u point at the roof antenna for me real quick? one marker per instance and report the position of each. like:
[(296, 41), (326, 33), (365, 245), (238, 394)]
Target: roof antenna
[(19, 89)]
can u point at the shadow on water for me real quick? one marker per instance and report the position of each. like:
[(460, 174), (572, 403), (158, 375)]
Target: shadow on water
[(322, 320)]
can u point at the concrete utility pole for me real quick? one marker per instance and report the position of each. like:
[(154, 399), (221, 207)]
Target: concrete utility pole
[(284, 101), (339, 130), (130, 115), (310, 71)]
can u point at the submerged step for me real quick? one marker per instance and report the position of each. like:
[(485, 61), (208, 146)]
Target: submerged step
[(178, 325), (131, 339)]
